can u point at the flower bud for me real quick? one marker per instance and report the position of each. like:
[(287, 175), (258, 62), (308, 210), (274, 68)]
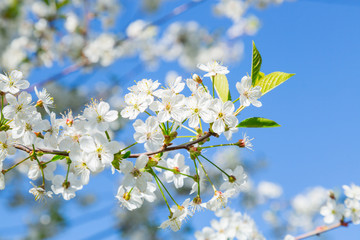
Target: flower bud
[(196, 78), (241, 143), (153, 161), (332, 195), (194, 152)]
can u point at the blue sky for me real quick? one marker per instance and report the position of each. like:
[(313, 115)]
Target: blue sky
[(318, 143)]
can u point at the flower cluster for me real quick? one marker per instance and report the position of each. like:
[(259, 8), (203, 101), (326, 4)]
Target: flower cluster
[(46, 31), (334, 211), (232, 225), (81, 146)]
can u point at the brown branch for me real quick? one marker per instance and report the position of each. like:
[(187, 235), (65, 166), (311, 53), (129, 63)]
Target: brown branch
[(323, 229), (166, 149), (182, 146), (44, 150)]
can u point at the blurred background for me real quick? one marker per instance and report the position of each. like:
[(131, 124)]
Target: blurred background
[(87, 49)]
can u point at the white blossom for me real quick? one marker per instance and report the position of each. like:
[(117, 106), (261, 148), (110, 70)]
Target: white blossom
[(40, 193), (352, 192), (13, 83), (135, 175), (171, 106), (136, 103), (45, 100), (213, 68), (199, 108), (129, 197), (101, 151), (332, 211), (179, 214), (237, 179), (224, 116), (18, 108), (178, 165), (66, 188), (99, 115), (219, 199), (248, 94), (149, 133)]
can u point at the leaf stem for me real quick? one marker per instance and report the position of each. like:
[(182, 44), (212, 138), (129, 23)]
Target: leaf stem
[(107, 136), (215, 165), (174, 171), (17, 164), (166, 189), (129, 146), (202, 166), (162, 192), (220, 145)]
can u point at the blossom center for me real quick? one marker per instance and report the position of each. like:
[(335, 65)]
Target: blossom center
[(168, 107), (136, 172), (99, 119)]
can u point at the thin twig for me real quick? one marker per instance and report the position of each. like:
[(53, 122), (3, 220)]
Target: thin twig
[(323, 229), (136, 155), (44, 150)]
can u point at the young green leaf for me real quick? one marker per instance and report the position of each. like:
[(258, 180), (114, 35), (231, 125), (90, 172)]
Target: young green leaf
[(256, 64), (116, 163), (272, 80), (259, 77), (222, 87), (257, 122), (57, 157), (126, 155), (117, 159)]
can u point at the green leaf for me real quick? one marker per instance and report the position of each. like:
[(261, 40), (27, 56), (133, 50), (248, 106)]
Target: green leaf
[(118, 157), (116, 163), (272, 80), (62, 4), (256, 64), (257, 122), (57, 157), (259, 76), (126, 155), (222, 87)]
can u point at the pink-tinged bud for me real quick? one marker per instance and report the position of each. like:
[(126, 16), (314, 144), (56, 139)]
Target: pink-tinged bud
[(194, 152), (196, 78), (241, 143)]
